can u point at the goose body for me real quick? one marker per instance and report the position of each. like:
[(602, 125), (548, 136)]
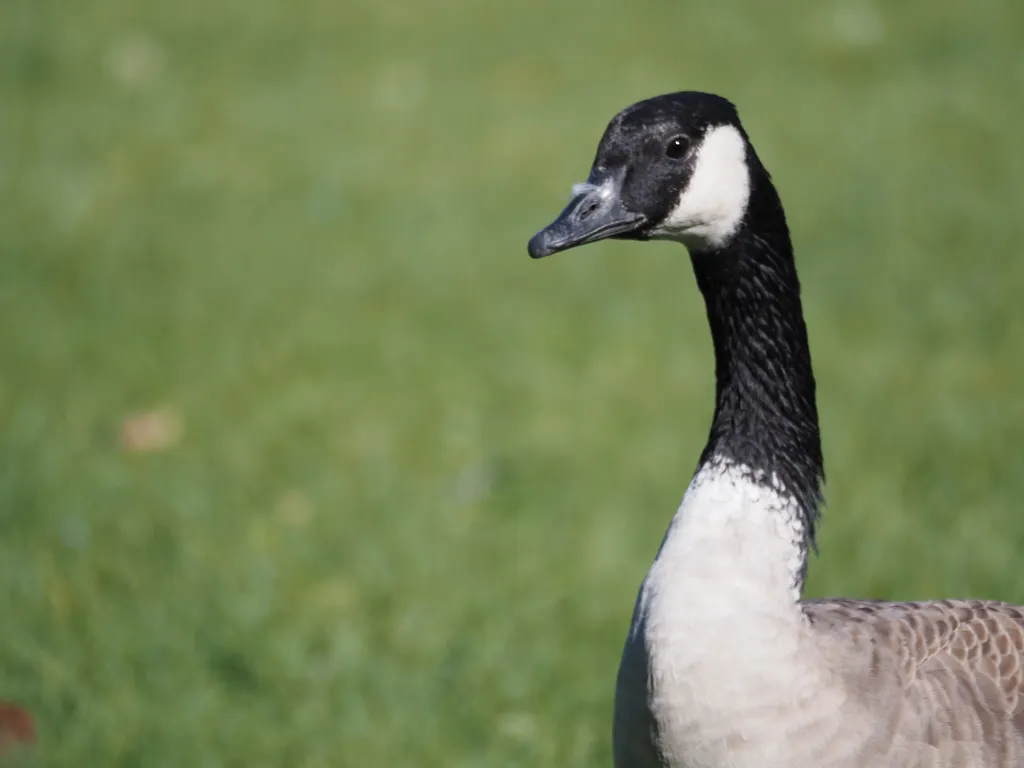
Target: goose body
[(725, 665)]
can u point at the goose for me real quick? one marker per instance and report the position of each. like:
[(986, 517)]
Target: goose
[(725, 665)]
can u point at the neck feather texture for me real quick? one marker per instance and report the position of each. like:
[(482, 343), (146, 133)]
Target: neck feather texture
[(766, 417)]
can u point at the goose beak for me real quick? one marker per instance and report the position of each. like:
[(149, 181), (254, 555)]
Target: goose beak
[(594, 213)]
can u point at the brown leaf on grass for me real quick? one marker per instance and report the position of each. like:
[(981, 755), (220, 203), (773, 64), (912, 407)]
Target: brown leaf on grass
[(16, 728), (150, 431)]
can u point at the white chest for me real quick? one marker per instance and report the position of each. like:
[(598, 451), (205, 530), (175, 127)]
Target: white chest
[(718, 666)]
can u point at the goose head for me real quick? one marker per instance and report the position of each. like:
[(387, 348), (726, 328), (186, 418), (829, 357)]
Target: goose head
[(676, 167)]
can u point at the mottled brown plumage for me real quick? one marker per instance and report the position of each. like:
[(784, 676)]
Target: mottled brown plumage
[(950, 671)]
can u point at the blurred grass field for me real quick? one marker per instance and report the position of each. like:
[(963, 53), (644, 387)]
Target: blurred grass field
[(409, 480)]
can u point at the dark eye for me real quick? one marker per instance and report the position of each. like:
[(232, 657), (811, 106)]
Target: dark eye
[(676, 147)]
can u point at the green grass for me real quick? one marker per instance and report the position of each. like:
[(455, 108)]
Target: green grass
[(420, 476)]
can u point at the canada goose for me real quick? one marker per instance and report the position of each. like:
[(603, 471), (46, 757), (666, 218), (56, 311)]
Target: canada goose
[(724, 664)]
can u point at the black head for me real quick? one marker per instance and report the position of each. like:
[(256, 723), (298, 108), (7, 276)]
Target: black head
[(677, 166)]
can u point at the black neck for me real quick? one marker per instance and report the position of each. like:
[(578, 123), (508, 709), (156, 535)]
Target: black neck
[(766, 417)]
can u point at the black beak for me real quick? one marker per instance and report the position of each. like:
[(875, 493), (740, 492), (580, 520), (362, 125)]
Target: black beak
[(594, 214)]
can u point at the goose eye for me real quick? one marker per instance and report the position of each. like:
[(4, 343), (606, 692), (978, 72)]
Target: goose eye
[(676, 147)]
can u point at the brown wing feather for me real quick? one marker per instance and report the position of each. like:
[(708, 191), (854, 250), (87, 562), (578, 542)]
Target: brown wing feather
[(957, 664)]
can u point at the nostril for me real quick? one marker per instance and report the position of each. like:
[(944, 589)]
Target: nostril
[(587, 209)]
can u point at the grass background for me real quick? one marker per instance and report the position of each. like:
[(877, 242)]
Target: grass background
[(419, 477)]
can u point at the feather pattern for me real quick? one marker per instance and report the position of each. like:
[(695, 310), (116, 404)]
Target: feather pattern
[(945, 674)]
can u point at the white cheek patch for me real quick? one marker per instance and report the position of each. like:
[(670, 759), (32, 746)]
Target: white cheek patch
[(711, 207)]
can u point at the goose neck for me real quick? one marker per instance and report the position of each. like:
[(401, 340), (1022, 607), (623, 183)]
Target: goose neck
[(766, 416)]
